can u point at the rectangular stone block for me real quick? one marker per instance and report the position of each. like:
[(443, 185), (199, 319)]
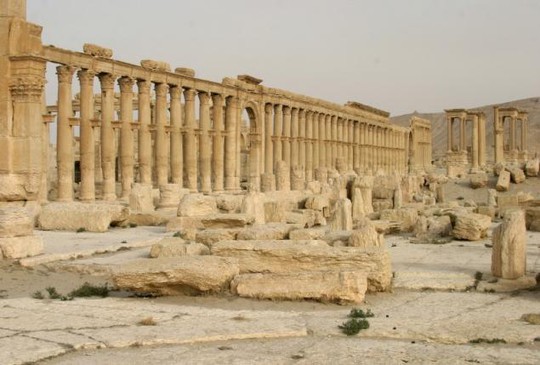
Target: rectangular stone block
[(20, 247), (306, 256), (324, 286)]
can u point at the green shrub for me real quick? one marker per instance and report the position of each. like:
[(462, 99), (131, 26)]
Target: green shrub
[(353, 326), (53, 294), (487, 340), (359, 313), (89, 290), (38, 295)]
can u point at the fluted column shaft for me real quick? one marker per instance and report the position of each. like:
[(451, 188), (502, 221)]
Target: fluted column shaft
[(449, 138), (107, 136), (268, 147), (87, 190), (218, 153), (350, 144), (177, 160), (160, 142), (309, 146), (278, 125), (126, 134), (322, 140), (334, 141), (316, 140), (512, 133), (328, 139), (230, 143), (302, 138), (204, 142), (145, 138), (190, 144), (64, 136), (356, 146), (294, 137)]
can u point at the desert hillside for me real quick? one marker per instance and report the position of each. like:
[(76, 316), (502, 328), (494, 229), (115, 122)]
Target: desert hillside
[(438, 120)]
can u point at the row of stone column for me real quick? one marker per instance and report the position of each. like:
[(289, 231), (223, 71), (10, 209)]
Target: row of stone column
[(516, 151), (478, 147), (174, 150), (311, 139)]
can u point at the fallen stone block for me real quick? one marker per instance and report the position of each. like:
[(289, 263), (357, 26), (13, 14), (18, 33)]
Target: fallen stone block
[(270, 231), (305, 256), (177, 275), (20, 247), (365, 235), (506, 202), (517, 175), (489, 211), (532, 218), (503, 183), (221, 220), (471, 226), (253, 204), (337, 238), (532, 167), (15, 222), (406, 216), (314, 233), (479, 180), (194, 205), (326, 286), (141, 199), (179, 223), (229, 203), (91, 217), (508, 258), (342, 219), (175, 247), (211, 236)]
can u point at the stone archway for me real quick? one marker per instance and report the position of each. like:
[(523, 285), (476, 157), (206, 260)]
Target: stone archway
[(249, 147)]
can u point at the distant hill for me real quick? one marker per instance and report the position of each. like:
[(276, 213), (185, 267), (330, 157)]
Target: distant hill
[(438, 120)]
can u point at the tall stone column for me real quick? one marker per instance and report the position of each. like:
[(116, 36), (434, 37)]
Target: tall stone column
[(64, 136), (340, 138), (334, 141), (218, 153), (286, 135), (278, 125), (230, 143), (126, 134), (177, 160), (462, 138), (328, 141), (316, 140), (204, 142), (512, 133), (87, 190), (523, 135), (145, 138), (350, 141), (449, 137), (190, 145), (107, 136), (160, 141), (294, 137), (302, 138), (268, 147), (309, 145), (322, 140), (475, 143), (498, 136)]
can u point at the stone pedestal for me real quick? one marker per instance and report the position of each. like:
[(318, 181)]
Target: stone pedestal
[(170, 195), (456, 163), (297, 178), (283, 176), (268, 182)]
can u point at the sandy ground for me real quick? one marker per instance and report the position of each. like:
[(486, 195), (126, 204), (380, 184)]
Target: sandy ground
[(431, 316)]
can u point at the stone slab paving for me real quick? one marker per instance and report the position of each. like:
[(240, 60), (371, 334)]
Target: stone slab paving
[(438, 323)]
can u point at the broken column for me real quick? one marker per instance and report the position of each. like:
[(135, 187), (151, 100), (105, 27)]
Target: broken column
[(508, 258)]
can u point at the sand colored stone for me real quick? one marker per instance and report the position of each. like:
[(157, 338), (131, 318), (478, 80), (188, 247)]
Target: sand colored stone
[(95, 217), (509, 246), (471, 226)]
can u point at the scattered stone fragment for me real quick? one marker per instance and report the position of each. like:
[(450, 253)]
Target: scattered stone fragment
[(471, 226), (503, 183)]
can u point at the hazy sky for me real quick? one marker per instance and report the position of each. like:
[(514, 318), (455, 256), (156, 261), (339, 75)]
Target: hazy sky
[(397, 55)]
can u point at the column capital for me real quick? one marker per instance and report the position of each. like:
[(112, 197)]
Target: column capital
[(86, 77), (301, 113), (27, 88), (65, 73), (286, 110), (144, 86), (189, 94), (175, 91), (217, 99), (107, 81), (268, 108), (232, 100), (204, 97), (294, 112), (161, 89), (278, 107), (126, 84)]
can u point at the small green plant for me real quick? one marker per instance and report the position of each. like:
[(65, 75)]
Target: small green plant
[(89, 290), (478, 276), (133, 225), (177, 234), (353, 326), (53, 294), (38, 295), (81, 229), (359, 313), (487, 340)]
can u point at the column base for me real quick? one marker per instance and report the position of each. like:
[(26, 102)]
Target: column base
[(268, 182)]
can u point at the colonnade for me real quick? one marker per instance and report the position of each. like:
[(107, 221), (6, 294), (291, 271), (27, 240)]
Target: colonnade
[(459, 153)]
